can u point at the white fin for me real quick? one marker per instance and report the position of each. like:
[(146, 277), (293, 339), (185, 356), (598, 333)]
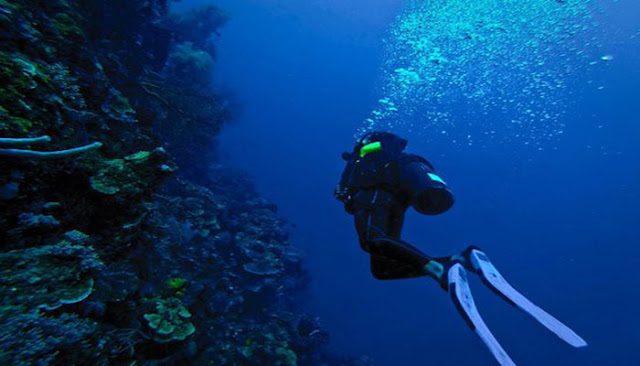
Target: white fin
[(462, 298), (492, 278)]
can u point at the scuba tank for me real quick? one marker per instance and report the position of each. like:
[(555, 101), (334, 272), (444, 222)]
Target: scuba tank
[(378, 161)]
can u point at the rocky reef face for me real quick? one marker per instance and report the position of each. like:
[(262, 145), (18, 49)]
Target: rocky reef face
[(124, 240)]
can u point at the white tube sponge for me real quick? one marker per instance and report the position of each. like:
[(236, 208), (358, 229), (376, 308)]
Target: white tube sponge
[(23, 141), (24, 153)]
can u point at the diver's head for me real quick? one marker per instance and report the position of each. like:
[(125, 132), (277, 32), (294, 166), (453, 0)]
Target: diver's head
[(386, 141)]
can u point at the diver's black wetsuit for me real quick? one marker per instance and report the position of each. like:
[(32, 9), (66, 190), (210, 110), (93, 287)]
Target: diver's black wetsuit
[(377, 188)]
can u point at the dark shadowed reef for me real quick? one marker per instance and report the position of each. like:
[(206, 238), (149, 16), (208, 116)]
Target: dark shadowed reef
[(124, 239)]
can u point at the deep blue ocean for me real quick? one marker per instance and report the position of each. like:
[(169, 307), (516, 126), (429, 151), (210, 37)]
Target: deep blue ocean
[(557, 212)]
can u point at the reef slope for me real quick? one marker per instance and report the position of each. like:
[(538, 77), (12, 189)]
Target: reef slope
[(125, 240)]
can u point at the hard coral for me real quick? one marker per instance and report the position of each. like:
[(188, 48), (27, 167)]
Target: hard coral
[(170, 321), (189, 65), (67, 26), (287, 356), (176, 283), (133, 175), (198, 26), (47, 277), (34, 339), (123, 73), (264, 267)]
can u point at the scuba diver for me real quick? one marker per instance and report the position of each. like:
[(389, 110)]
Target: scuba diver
[(377, 186)]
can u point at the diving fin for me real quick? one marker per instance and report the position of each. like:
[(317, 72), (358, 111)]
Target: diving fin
[(492, 278), (463, 300)]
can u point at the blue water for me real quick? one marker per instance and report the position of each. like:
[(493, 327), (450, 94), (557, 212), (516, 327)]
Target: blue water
[(559, 220)]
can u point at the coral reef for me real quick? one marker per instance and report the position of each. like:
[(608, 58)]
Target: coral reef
[(46, 340), (47, 277), (136, 245), (188, 64), (133, 175), (170, 321)]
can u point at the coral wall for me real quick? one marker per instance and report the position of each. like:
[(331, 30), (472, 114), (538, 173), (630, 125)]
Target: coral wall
[(124, 240)]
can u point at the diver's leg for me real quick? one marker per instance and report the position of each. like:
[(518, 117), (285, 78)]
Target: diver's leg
[(378, 219), (390, 258), (395, 259)]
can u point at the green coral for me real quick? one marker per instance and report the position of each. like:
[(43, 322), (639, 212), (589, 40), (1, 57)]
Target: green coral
[(269, 345), (287, 357), (170, 321), (30, 91), (18, 79), (67, 26), (115, 177), (176, 284), (119, 107), (139, 156), (131, 176), (202, 215), (19, 125), (7, 7), (47, 277)]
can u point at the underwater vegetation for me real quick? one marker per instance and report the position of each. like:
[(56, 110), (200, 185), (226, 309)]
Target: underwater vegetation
[(125, 240)]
